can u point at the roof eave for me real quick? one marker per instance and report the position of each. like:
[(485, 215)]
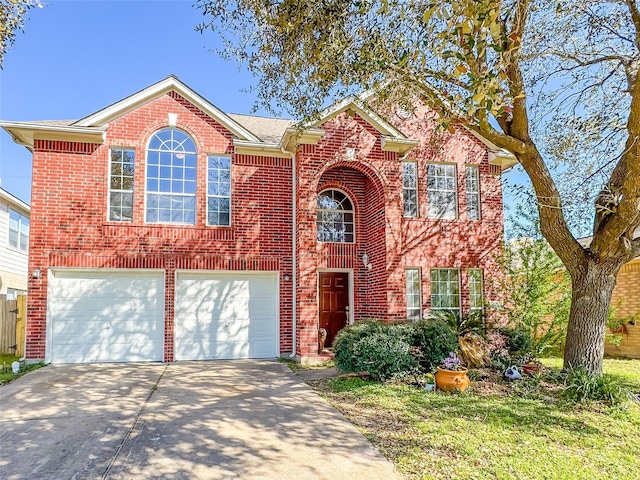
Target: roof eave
[(399, 145), (15, 201), (26, 134)]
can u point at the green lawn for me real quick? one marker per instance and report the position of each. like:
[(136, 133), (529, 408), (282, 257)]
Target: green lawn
[(7, 375), (495, 432)]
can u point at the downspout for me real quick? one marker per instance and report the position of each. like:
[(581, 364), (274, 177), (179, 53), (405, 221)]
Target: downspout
[(294, 266)]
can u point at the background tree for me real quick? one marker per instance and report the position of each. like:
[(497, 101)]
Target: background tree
[(12, 18), (554, 82), (536, 288)]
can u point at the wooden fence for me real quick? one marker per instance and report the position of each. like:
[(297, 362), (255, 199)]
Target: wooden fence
[(13, 314)]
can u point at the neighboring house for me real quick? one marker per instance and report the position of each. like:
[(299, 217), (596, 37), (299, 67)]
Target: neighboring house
[(14, 245), (626, 301), (165, 229)]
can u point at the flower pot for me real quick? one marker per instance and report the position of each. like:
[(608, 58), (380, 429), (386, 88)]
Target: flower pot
[(450, 380), (531, 369)]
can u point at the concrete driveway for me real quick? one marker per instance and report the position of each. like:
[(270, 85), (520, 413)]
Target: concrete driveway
[(189, 420)]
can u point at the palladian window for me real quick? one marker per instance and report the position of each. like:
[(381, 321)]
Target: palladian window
[(335, 217), (171, 178)]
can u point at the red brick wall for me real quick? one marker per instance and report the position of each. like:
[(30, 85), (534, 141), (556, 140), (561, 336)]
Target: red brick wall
[(70, 229), (373, 180), (626, 301), (69, 214)]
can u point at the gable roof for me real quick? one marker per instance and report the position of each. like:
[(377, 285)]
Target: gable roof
[(171, 83), (269, 130)]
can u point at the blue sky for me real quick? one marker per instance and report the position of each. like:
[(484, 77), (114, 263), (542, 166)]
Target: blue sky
[(78, 56)]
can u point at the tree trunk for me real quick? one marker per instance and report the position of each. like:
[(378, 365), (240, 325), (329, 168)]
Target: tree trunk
[(590, 301)]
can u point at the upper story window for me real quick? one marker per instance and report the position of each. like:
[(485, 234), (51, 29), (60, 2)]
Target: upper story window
[(171, 178), (219, 191), (442, 191), (18, 230), (472, 184), (335, 217), (121, 185), (410, 188), (445, 289)]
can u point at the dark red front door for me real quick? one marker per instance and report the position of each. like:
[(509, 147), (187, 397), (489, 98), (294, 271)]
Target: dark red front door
[(334, 303)]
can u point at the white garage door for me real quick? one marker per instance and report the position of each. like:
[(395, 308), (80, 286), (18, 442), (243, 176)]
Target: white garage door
[(226, 315), (105, 316)]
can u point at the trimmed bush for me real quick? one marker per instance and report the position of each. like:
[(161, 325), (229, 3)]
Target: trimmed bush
[(375, 347), (386, 350), (520, 343), (434, 339)]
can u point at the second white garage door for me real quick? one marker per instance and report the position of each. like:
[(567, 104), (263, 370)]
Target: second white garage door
[(226, 315)]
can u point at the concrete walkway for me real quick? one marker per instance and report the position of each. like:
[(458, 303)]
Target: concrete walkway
[(188, 420)]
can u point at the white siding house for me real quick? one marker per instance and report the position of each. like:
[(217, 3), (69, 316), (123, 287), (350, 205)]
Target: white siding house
[(14, 245)]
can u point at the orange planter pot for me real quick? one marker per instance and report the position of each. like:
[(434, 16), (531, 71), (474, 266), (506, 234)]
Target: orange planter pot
[(450, 381)]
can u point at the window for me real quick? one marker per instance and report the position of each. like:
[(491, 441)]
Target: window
[(12, 293), (335, 217), (442, 191), (171, 178), (121, 185), (18, 230), (475, 289), (445, 289), (410, 188), (219, 191), (473, 192), (414, 294)]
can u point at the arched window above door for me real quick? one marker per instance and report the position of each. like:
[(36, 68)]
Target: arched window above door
[(335, 217)]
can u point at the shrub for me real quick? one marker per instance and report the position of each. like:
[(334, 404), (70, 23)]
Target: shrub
[(433, 339), (343, 346), (375, 347), (520, 343), (581, 386)]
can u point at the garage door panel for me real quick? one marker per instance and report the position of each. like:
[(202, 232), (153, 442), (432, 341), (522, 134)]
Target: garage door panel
[(105, 316), (222, 315)]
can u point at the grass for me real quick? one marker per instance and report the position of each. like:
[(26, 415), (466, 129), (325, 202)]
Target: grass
[(519, 431), (6, 373)]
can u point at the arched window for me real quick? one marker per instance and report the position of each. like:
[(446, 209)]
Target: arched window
[(171, 178), (335, 217)]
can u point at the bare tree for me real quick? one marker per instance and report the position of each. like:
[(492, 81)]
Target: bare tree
[(554, 82)]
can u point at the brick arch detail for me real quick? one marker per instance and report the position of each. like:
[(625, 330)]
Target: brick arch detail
[(377, 177)]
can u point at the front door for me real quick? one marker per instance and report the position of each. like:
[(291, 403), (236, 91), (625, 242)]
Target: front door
[(334, 303)]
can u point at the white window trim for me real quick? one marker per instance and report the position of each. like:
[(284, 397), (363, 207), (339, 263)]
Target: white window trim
[(132, 191), (459, 309), (456, 191), (419, 270), (219, 196), (19, 231), (353, 211), (416, 189), (146, 192), (476, 193)]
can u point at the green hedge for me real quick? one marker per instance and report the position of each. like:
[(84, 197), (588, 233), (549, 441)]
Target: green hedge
[(386, 350)]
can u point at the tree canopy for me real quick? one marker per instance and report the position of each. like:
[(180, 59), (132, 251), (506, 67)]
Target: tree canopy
[(12, 18), (554, 82)]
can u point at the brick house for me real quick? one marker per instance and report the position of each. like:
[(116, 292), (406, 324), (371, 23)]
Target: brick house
[(626, 301), (164, 229)]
